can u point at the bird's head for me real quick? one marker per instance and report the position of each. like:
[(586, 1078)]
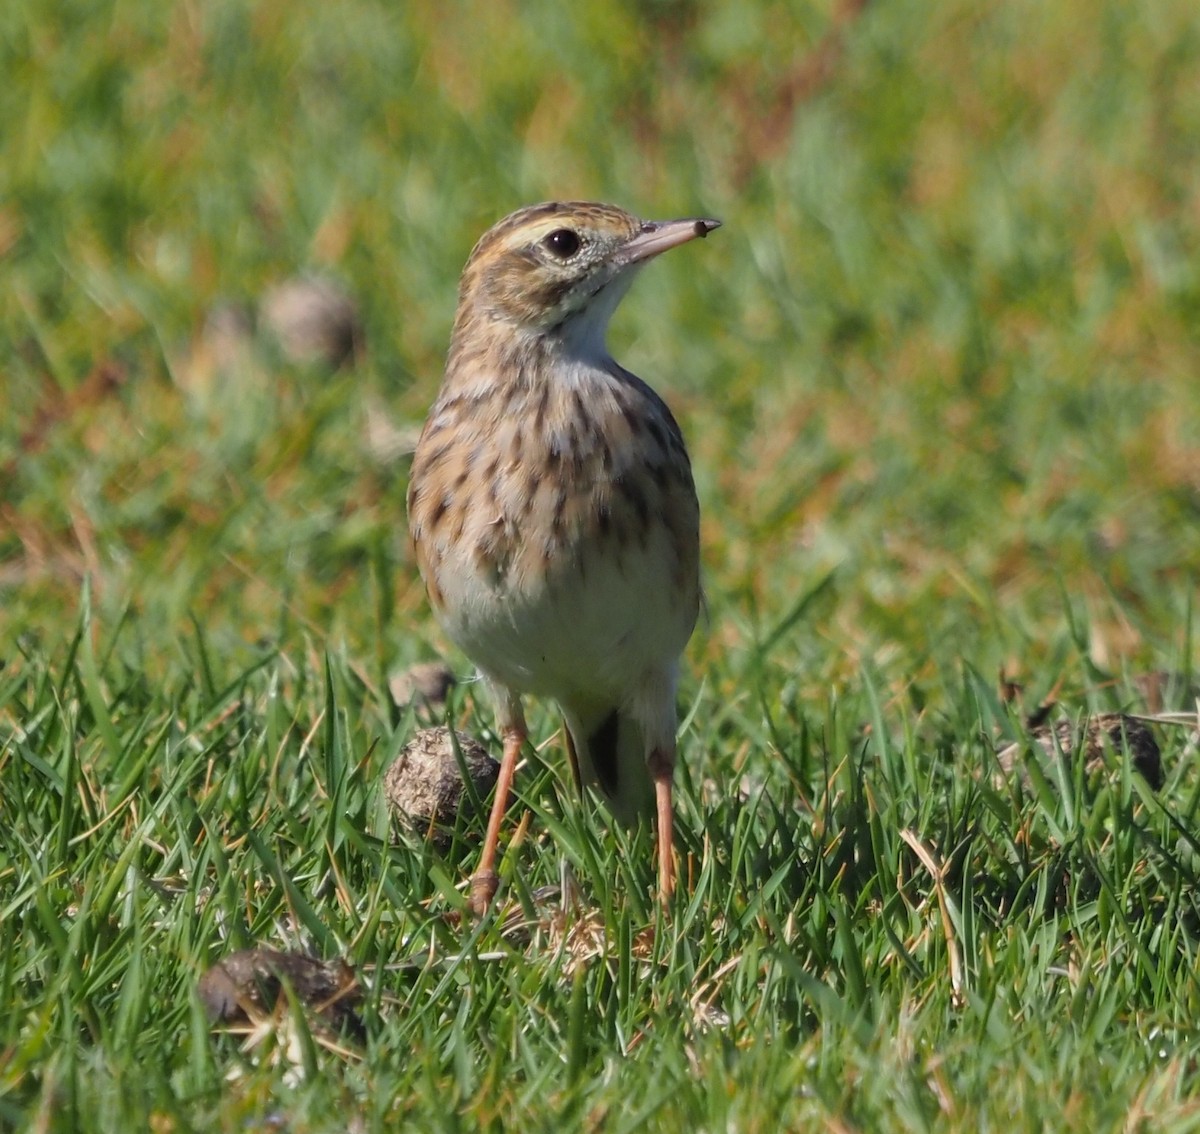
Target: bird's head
[(561, 268)]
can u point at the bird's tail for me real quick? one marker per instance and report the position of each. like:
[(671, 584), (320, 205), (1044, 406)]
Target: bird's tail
[(608, 751)]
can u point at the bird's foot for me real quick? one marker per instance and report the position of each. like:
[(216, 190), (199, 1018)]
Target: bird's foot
[(484, 884)]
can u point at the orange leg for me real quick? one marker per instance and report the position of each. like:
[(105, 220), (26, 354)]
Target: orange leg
[(485, 880), (666, 856)]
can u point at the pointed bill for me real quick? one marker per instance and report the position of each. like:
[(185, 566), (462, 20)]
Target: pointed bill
[(658, 236)]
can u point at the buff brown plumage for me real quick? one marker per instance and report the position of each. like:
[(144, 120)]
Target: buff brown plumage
[(552, 511)]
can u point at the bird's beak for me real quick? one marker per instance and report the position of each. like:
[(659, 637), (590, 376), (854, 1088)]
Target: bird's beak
[(658, 236)]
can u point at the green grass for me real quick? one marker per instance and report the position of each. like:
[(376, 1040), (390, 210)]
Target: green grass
[(938, 377)]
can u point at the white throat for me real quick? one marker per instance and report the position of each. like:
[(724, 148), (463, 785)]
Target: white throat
[(584, 334)]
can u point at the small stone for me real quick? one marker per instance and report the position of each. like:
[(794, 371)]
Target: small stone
[(228, 334), (1123, 734), (247, 986), (426, 684), (314, 320), (424, 786), (387, 440)]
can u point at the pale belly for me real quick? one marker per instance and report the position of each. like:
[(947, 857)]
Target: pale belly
[(592, 629), (558, 531)]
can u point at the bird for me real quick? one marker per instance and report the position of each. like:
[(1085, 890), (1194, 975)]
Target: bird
[(552, 510)]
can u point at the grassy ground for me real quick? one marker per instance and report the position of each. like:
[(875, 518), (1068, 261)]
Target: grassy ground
[(938, 373)]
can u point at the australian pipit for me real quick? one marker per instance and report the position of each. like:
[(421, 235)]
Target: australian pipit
[(552, 510)]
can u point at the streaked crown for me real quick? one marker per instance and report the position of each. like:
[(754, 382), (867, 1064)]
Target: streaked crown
[(544, 264)]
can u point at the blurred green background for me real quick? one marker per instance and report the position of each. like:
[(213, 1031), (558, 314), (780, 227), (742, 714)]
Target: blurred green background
[(938, 373), (946, 341)]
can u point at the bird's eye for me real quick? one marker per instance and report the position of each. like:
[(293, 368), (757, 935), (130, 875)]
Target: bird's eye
[(563, 242)]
